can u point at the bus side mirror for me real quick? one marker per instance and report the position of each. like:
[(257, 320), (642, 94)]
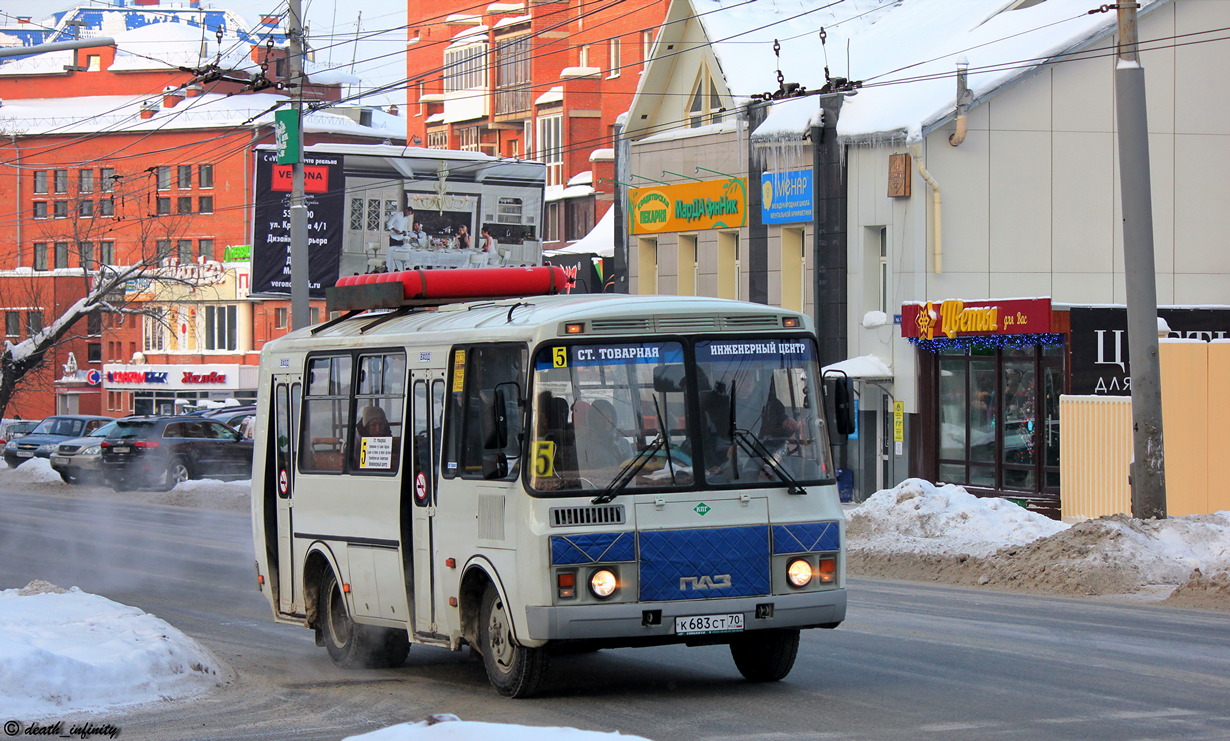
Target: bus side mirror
[(843, 411)]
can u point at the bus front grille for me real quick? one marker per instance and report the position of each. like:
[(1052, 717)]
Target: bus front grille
[(568, 516)]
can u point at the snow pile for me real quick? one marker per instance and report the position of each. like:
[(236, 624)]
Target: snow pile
[(450, 727), (64, 650), (34, 471), (923, 532), (234, 496), (919, 517)]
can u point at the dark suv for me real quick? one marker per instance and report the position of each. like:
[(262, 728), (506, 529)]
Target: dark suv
[(161, 452)]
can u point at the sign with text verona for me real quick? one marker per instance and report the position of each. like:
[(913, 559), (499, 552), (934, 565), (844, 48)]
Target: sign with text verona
[(953, 318), (324, 187), (684, 207)]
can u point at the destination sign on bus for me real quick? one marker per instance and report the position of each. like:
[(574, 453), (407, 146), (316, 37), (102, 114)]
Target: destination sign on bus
[(591, 355), (716, 351)]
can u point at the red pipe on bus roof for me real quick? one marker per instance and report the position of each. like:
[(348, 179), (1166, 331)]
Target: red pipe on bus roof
[(470, 283)]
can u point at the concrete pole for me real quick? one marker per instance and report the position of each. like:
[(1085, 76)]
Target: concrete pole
[(299, 307), (1148, 467)]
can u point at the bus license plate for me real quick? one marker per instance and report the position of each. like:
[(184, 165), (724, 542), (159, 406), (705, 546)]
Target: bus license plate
[(698, 624)]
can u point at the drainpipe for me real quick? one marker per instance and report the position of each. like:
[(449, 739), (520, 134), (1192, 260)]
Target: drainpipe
[(937, 250), (20, 203), (964, 98)]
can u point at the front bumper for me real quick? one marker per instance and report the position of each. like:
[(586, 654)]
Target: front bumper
[(631, 622)]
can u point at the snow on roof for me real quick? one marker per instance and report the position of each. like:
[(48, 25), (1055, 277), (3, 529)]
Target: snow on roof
[(554, 95), (116, 113), (904, 51), (514, 20), (864, 366), (159, 46)]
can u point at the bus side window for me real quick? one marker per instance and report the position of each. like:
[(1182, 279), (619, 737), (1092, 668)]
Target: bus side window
[(485, 410), (326, 414)]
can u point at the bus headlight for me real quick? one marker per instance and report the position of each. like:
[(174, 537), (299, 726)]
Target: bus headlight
[(799, 572), (602, 583)]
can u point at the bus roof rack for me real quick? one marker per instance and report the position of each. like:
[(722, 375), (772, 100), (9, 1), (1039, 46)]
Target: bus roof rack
[(426, 288)]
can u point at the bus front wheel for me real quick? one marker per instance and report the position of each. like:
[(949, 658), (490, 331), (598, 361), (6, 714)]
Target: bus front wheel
[(765, 655), (351, 645), (514, 670)]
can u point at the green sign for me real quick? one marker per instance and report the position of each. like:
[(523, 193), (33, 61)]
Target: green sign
[(702, 509), (237, 253), (286, 135)]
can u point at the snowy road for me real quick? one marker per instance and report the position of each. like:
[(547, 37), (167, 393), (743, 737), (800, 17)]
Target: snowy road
[(912, 661)]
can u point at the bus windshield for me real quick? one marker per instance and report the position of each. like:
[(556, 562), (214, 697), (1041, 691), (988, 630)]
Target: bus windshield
[(662, 415)]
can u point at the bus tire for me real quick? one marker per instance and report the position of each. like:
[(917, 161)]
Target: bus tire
[(351, 645), (514, 670), (765, 655)]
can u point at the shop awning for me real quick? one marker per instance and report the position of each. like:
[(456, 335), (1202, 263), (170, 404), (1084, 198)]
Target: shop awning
[(864, 367)]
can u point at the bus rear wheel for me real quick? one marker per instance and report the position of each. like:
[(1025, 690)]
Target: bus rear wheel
[(351, 645), (765, 655), (514, 670)]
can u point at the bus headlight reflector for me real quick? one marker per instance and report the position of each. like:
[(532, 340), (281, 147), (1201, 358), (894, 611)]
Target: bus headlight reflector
[(799, 572), (603, 583)]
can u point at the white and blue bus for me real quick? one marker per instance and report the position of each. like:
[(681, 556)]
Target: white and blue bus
[(532, 473)]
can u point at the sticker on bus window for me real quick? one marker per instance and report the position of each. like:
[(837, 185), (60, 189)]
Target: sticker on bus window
[(544, 458), (376, 452), (559, 357)]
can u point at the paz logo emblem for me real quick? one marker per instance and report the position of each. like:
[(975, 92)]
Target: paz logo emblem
[(702, 509)]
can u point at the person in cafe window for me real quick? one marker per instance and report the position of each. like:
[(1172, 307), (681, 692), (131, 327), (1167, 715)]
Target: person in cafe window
[(399, 227)]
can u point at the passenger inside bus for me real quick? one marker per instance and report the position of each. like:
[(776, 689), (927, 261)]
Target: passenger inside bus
[(599, 442), (374, 423)]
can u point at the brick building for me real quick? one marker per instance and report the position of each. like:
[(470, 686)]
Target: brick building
[(542, 81), (144, 151)]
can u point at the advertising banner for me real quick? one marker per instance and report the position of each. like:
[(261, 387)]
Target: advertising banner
[(956, 318), (324, 186), (709, 204), (1100, 343), (786, 197)]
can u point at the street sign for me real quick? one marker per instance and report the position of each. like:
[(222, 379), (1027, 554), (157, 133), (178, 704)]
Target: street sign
[(286, 135)]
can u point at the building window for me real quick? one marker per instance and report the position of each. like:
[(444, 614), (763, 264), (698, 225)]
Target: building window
[(93, 63), (205, 248), (34, 322), (164, 207), (313, 315), (183, 250), (437, 139), (93, 323), (706, 103), (183, 205), (183, 177), (465, 68), (220, 327), (106, 179), (646, 45), (513, 83), (467, 139), (155, 330), (61, 254), (12, 323), (356, 214), (374, 221), (578, 217), (550, 149), (106, 207), (205, 176), (550, 227), (85, 209), (205, 204), (106, 253), (162, 249), (40, 209), (583, 56), (508, 210), (85, 181), (93, 352), (615, 63), (164, 177), (60, 209), (40, 255), (280, 317), (40, 181), (85, 250), (61, 181)]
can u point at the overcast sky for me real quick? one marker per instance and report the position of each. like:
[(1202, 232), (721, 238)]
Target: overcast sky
[(329, 23)]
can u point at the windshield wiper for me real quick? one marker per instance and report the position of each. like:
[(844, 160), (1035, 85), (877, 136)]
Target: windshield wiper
[(630, 470), (756, 449)]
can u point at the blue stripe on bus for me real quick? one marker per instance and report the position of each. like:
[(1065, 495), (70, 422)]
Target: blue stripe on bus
[(806, 537), (593, 548)]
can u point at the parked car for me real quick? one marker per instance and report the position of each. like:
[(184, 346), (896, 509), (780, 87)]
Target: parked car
[(48, 434), (15, 428), (161, 452), (79, 460), (242, 418)]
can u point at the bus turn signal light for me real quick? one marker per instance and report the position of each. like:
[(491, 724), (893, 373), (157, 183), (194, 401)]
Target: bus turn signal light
[(566, 582), (827, 571)]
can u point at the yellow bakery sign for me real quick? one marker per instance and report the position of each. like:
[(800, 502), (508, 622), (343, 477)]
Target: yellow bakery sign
[(708, 204)]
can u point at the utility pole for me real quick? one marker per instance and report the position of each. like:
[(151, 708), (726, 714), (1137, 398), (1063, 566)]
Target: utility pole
[(299, 310), (1149, 464)]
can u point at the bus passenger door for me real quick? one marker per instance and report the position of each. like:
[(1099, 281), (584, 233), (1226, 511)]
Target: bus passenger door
[(427, 412), (287, 395)]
